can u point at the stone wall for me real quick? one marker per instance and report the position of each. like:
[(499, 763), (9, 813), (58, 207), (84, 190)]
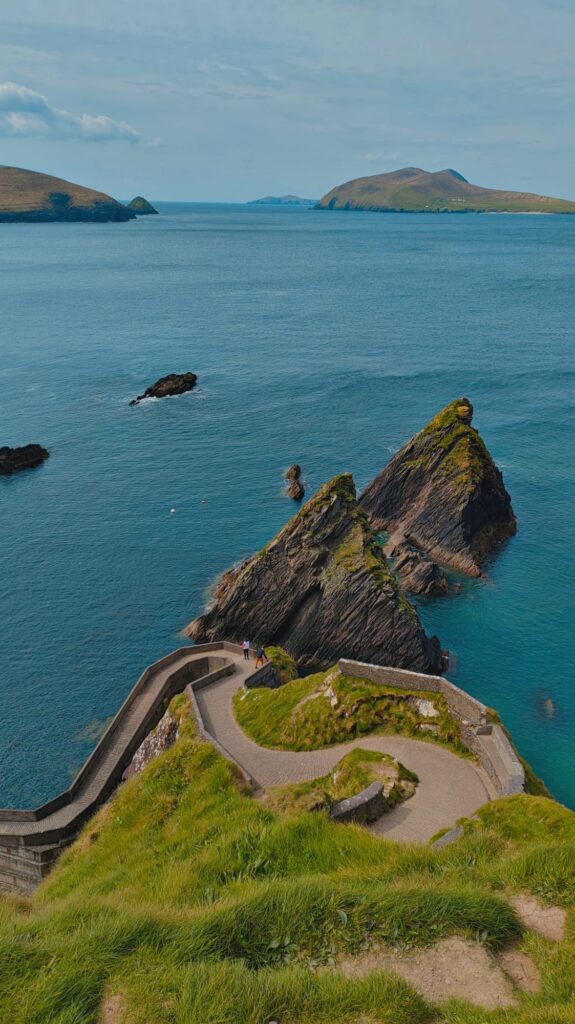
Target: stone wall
[(488, 742)]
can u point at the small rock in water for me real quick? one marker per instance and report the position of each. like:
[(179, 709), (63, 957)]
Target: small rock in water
[(172, 510), (172, 384), (295, 489), (27, 457)]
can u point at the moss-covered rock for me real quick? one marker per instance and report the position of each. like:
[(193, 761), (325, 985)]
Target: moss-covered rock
[(322, 590), (443, 493)]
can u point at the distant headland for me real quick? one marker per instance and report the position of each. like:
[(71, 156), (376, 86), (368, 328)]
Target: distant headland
[(411, 190), (39, 198), (282, 201)]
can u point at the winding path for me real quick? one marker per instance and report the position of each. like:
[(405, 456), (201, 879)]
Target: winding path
[(450, 787)]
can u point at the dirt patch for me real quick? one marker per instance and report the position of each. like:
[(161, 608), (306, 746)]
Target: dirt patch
[(546, 921), (521, 969), (113, 1009), (454, 968)]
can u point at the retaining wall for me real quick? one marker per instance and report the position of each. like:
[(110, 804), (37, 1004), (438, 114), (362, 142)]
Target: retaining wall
[(488, 742)]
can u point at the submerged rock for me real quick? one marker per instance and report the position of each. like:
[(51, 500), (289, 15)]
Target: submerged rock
[(322, 590), (295, 489), (172, 384), (27, 457), (444, 493)]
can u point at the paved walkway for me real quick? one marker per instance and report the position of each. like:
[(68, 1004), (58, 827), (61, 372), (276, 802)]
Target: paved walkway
[(449, 788)]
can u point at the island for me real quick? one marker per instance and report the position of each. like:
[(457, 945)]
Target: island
[(294, 486), (170, 385), (32, 196), (282, 201), (412, 190), (141, 207), (12, 460)]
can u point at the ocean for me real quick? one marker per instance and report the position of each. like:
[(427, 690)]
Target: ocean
[(323, 338)]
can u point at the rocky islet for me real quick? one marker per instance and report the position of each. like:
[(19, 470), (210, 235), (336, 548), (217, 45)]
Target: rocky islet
[(442, 498), (170, 385), (12, 460), (322, 589)]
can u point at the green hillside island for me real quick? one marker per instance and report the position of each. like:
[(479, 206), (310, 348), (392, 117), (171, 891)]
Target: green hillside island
[(32, 196), (411, 190), (188, 901)]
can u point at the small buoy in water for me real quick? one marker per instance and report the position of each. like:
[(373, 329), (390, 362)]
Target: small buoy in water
[(203, 501), (172, 510)]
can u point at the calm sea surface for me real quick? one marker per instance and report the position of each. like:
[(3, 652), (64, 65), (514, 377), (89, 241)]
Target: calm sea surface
[(323, 338)]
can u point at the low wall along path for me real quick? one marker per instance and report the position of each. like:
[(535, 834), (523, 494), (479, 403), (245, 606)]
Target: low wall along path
[(450, 787)]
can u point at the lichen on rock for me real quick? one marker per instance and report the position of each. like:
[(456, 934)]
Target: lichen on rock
[(322, 590), (444, 493)]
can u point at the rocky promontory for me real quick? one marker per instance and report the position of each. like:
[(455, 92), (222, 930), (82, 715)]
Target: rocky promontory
[(322, 590), (27, 457), (141, 207), (442, 495), (294, 487), (171, 384)]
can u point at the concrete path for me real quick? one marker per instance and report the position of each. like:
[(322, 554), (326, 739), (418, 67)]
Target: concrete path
[(449, 788)]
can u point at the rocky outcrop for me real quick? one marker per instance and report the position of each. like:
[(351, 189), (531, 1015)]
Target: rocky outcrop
[(141, 207), (27, 457), (444, 494), (156, 742), (294, 489), (32, 196), (322, 590), (172, 384)]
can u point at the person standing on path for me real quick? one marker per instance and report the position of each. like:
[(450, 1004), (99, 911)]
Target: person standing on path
[(246, 650), (260, 657)]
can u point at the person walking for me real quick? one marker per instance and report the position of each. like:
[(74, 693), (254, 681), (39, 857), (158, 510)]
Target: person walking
[(246, 650), (261, 656)]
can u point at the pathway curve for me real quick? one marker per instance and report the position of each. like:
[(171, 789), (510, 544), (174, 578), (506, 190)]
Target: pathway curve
[(450, 787)]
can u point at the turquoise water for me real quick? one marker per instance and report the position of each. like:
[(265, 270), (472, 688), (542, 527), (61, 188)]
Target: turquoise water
[(322, 338)]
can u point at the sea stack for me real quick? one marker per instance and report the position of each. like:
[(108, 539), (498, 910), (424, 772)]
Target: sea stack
[(141, 207), (294, 489), (27, 457), (442, 495), (322, 590), (171, 384)]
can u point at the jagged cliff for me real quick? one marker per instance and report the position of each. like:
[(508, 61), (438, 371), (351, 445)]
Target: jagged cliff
[(321, 589), (443, 494)]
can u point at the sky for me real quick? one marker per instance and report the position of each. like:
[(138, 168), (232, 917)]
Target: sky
[(229, 100)]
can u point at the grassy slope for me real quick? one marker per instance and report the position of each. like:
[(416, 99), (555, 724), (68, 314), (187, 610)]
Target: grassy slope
[(197, 905), (278, 719), (25, 191), (425, 192)]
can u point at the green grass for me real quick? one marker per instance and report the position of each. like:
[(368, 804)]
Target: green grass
[(292, 718), (353, 773), (197, 904)]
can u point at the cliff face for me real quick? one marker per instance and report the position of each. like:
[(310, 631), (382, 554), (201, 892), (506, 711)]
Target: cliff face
[(443, 493), (31, 196), (321, 590)]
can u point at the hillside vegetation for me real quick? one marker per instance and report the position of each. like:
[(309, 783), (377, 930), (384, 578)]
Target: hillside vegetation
[(329, 707), (413, 190), (187, 901)]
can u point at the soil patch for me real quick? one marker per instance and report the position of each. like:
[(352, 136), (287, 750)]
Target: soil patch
[(454, 968), (521, 969), (112, 1009), (546, 921)]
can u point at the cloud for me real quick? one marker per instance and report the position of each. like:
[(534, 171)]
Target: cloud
[(25, 113)]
